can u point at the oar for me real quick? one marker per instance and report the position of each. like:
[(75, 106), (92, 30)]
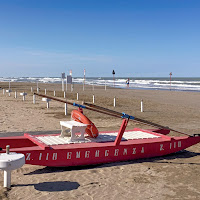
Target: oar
[(109, 112), (125, 115), (134, 118)]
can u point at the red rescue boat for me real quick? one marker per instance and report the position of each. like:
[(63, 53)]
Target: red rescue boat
[(79, 148)]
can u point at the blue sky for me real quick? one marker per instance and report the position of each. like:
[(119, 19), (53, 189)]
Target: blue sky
[(135, 38)]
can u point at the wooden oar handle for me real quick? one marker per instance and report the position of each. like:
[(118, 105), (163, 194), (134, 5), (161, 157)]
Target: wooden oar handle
[(110, 113)]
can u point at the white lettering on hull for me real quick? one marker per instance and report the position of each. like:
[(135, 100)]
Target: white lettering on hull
[(97, 153), (47, 156), (106, 153), (134, 151), (125, 152), (28, 156), (179, 143), (69, 155), (78, 154), (54, 156), (116, 152), (87, 154), (40, 157), (161, 147)]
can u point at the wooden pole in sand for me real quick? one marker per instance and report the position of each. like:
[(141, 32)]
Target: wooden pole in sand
[(77, 96), (72, 88), (114, 103), (65, 108), (93, 98), (34, 98), (15, 94), (37, 88), (142, 105)]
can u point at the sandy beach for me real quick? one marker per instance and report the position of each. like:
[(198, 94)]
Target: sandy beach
[(174, 176)]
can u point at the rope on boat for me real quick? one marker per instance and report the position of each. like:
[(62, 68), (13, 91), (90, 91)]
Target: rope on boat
[(113, 113)]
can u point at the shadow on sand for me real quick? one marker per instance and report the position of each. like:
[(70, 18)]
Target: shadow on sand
[(55, 186)]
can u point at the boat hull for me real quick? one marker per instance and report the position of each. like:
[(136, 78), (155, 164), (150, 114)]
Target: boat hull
[(37, 153)]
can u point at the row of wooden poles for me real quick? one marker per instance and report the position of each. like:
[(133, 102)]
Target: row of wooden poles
[(47, 100), (92, 107), (23, 94)]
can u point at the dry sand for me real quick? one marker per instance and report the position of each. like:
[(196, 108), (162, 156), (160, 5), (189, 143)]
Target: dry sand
[(174, 176)]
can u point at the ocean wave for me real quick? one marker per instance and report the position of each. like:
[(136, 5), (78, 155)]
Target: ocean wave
[(189, 84)]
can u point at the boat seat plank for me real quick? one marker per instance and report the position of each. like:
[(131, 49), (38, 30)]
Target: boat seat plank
[(103, 137)]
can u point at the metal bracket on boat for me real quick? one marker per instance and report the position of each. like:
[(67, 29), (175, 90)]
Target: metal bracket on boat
[(78, 105), (124, 115)]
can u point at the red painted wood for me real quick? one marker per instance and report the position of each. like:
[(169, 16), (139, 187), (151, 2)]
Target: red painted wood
[(37, 142), (121, 132), (94, 153)]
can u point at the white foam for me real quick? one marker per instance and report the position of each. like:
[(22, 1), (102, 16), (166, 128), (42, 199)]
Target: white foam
[(182, 84)]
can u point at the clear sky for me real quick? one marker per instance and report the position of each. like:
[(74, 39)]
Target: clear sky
[(133, 37)]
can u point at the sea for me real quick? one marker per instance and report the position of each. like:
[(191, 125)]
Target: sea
[(147, 83)]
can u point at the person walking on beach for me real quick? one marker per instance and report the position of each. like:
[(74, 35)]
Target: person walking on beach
[(127, 82)]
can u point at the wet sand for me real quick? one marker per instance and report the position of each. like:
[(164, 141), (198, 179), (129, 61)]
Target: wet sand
[(170, 177)]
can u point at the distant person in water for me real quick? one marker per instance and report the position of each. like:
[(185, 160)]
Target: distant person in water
[(127, 82)]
